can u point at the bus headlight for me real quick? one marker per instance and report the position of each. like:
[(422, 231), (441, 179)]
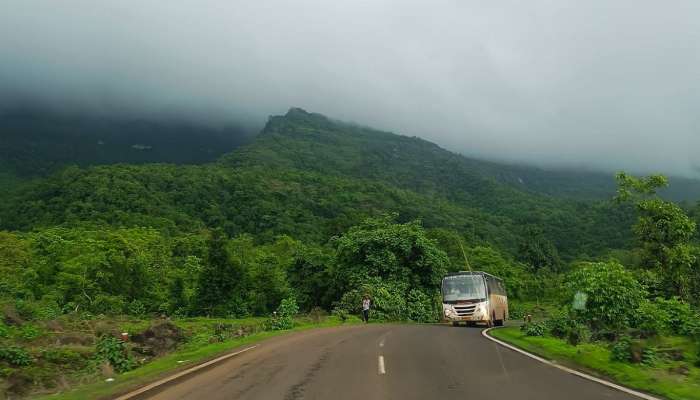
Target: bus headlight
[(448, 310), (480, 310)]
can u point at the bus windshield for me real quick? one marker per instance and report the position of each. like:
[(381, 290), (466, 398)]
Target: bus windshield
[(463, 287)]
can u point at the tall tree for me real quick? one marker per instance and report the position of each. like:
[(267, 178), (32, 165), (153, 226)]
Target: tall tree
[(219, 278), (663, 230)]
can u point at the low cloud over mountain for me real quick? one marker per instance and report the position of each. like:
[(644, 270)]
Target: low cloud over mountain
[(596, 84)]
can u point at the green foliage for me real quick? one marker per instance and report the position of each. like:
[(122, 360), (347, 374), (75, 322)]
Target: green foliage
[(664, 231), (652, 318), (682, 318), (136, 308), (341, 313), (622, 349), (578, 333), (613, 294), (283, 318), (534, 328), (650, 356), (219, 281), (537, 251), (15, 355), (65, 357), (115, 352), (422, 308)]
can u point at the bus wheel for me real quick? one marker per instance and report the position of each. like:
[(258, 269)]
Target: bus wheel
[(455, 323)]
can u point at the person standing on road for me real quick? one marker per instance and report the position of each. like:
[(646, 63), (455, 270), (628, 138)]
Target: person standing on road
[(365, 308)]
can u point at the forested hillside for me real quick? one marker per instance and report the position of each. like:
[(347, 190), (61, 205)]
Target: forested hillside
[(310, 177), (313, 213)]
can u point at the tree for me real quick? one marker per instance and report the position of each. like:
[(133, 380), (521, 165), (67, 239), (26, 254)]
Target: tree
[(537, 251), (612, 294), (663, 230), (387, 261), (219, 279), (394, 252)]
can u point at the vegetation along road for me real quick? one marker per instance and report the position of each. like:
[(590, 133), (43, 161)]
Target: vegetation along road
[(384, 362)]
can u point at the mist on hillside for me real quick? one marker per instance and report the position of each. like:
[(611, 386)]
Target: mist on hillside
[(577, 84)]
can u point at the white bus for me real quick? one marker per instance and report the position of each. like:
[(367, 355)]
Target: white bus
[(472, 297)]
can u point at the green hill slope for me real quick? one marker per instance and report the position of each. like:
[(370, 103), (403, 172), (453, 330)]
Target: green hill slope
[(311, 177)]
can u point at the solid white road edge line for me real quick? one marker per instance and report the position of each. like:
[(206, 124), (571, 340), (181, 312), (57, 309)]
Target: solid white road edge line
[(382, 370), (181, 374), (569, 370)]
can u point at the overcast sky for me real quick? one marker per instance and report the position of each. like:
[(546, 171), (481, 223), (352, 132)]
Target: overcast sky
[(605, 84)]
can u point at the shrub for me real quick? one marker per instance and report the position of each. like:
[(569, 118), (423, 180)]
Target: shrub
[(114, 351), (534, 329), (341, 313), (420, 307), (109, 305), (29, 332), (613, 295), (560, 324), (283, 318), (64, 357), (16, 356), (25, 309), (650, 356), (388, 301), (622, 349), (137, 308), (682, 319), (578, 333), (651, 319)]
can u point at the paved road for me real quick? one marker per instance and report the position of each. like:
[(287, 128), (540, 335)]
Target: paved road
[(419, 362)]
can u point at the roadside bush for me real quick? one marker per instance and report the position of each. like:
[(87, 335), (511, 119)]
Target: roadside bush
[(560, 324), (421, 308), (341, 313), (612, 294), (534, 329), (16, 356), (651, 319), (283, 318), (650, 356), (682, 319), (622, 349), (389, 301), (114, 351), (578, 333), (516, 310)]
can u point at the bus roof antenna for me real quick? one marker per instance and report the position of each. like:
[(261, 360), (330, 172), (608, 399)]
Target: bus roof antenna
[(466, 261)]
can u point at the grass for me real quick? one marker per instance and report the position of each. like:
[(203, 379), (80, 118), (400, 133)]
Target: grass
[(595, 358), (189, 355)]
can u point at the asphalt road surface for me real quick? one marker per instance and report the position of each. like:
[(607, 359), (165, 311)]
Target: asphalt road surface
[(384, 362)]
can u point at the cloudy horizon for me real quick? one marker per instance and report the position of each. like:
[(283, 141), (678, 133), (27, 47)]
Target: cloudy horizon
[(599, 85)]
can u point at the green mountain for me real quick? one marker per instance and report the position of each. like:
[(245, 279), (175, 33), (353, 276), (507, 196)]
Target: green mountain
[(311, 177)]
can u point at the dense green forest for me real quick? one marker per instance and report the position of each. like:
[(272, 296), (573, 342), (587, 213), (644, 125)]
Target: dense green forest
[(272, 220)]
